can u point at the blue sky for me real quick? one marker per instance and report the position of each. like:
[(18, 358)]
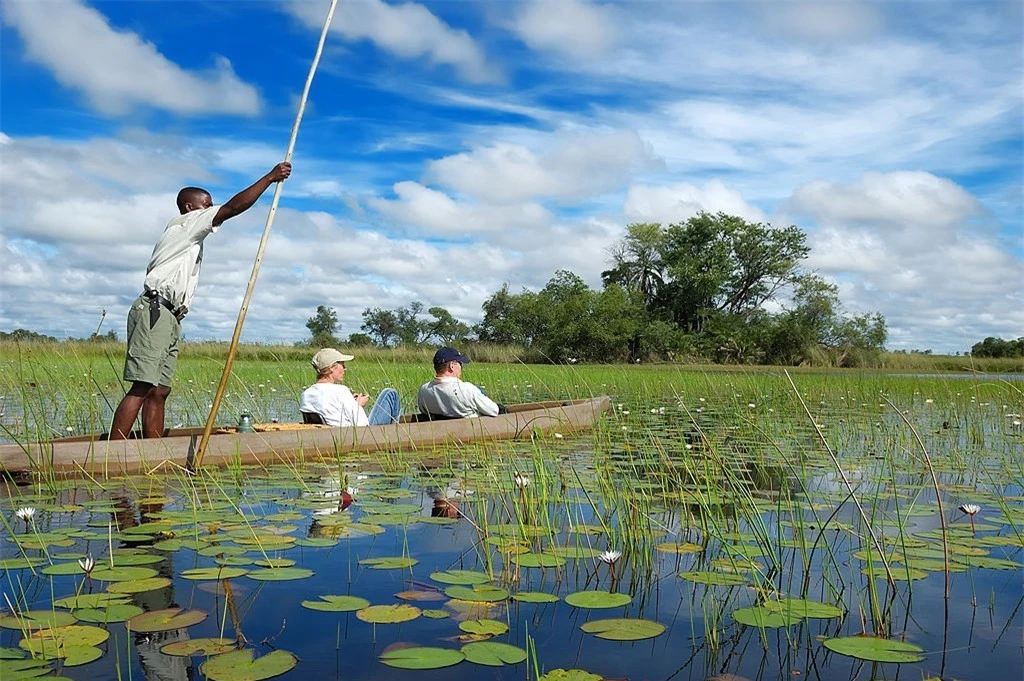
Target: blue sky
[(451, 147)]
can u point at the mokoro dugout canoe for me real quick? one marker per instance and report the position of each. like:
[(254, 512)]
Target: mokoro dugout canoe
[(96, 456)]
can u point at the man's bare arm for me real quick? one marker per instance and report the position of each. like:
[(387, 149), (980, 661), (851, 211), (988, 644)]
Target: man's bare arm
[(244, 200)]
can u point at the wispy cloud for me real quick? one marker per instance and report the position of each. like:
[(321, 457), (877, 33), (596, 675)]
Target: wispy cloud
[(85, 53)]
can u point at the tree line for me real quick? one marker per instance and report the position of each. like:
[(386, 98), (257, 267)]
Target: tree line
[(715, 288)]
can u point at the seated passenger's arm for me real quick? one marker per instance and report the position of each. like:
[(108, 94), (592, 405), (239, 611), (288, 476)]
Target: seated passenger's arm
[(485, 406)]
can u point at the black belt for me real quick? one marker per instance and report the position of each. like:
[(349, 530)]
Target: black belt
[(155, 300)]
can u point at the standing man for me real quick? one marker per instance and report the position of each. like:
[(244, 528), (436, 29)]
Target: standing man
[(154, 321), (447, 396)]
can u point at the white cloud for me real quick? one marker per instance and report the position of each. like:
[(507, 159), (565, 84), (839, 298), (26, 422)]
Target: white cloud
[(914, 247), (902, 200), (572, 27), (86, 53), (679, 202), (571, 164), (440, 215), (823, 21), (408, 30)]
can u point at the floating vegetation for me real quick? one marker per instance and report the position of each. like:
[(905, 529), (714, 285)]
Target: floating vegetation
[(819, 530)]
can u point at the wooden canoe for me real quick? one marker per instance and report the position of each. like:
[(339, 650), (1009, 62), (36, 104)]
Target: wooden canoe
[(92, 455)]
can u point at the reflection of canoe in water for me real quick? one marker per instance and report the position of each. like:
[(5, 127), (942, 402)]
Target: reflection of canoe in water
[(277, 443)]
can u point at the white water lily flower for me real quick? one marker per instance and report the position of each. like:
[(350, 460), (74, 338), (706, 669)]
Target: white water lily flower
[(522, 480), (87, 563), (970, 509), (558, 436), (610, 557), (25, 513)]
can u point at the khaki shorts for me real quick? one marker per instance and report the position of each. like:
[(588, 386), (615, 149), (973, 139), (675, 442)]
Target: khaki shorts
[(152, 352)]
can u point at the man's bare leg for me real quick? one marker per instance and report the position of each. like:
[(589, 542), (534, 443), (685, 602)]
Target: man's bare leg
[(128, 410), (153, 411)]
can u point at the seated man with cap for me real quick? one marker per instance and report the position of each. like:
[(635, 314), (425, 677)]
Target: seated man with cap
[(447, 396), (335, 404)]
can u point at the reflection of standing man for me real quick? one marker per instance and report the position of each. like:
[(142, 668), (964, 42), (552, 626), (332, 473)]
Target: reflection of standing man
[(154, 321)]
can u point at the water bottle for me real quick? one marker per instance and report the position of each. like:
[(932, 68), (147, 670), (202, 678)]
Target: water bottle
[(245, 423)]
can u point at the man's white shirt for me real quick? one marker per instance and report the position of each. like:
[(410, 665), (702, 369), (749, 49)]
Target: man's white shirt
[(173, 269), (335, 403), (451, 397)]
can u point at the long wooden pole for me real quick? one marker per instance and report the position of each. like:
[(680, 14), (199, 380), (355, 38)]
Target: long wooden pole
[(215, 407)]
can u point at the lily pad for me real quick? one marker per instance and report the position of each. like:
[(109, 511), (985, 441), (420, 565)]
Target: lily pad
[(714, 578), (875, 649), (798, 607), (436, 614), (165, 620), (241, 666), (316, 542), (537, 560), (122, 574), (419, 595), (679, 547), (199, 646), (478, 594), (389, 563), (535, 597), (422, 657), (76, 642), (279, 574), (100, 600), (483, 627), (597, 599), (570, 675), (464, 577), (21, 562), (118, 612), (137, 586), (623, 629), (763, 618), (198, 574), (337, 603), (388, 614), (37, 619), (493, 654)]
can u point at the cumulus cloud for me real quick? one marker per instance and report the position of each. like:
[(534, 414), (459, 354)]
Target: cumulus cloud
[(572, 27), (570, 164), (679, 202), (86, 53), (437, 214), (409, 30), (915, 247), (906, 199)]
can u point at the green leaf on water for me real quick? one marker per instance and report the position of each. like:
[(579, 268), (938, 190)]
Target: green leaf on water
[(623, 629), (763, 618), (537, 560), (199, 646), (388, 614), (165, 620), (714, 578), (421, 658), (535, 597), (21, 563), (570, 675), (316, 542), (799, 607), (479, 594), (69, 641), (337, 603), (138, 586), (241, 666), (436, 614), (464, 577), (37, 619), (597, 599), (100, 600), (279, 574), (122, 574), (875, 649), (679, 547), (389, 563), (198, 574), (483, 627), (493, 654), (118, 612)]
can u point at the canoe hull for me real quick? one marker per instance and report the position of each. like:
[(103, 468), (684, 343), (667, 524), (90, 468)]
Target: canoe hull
[(122, 457)]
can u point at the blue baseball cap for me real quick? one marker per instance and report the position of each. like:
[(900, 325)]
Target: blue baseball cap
[(445, 355)]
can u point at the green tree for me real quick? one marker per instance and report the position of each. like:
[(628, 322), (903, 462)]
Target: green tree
[(322, 327), (360, 340), (997, 347), (446, 328), (411, 329), (637, 261), (382, 325)]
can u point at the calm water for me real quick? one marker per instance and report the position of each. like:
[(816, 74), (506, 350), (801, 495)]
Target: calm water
[(627, 476)]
